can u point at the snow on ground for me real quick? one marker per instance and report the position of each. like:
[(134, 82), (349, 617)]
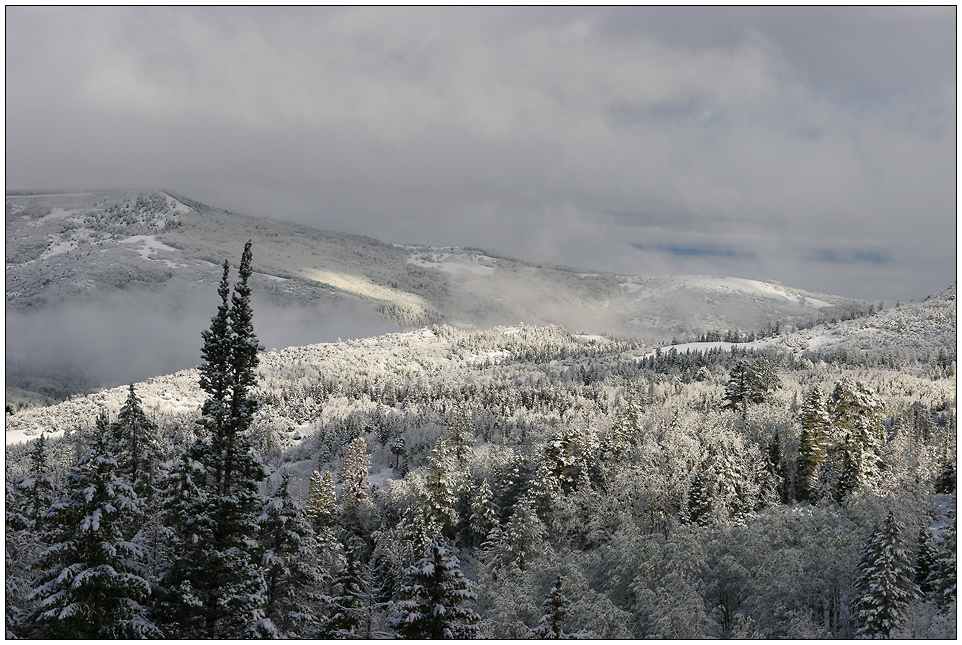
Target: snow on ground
[(381, 477), (58, 248), (704, 347), (450, 261), (275, 278), (153, 245), (176, 206), (752, 287)]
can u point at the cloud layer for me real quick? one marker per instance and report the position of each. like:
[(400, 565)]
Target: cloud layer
[(812, 146)]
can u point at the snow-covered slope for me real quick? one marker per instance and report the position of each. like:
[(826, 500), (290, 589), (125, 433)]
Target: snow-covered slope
[(80, 246), (915, 330)]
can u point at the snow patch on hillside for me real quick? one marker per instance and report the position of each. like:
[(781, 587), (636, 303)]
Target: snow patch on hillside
[(151, 246), (752, 287), (451, 260)]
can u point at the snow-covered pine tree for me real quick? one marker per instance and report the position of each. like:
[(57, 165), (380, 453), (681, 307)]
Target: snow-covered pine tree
[(460, 436), (290, 564), (345, 607), (354, 483), (857, 416), (484, 514), (523, 537), (943, 576), (556, 609), (214, 587), (321, 500), (885, 584), (93, 582), (627, 427), (512, 483), (440, 497), (434, 595), (750, 382), (138, 451), (812, 444)]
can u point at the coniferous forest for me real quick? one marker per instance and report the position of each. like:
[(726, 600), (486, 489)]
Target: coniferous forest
[(522, 482)]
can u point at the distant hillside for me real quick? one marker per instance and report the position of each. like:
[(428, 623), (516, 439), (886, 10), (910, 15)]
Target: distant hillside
[(79, 247)]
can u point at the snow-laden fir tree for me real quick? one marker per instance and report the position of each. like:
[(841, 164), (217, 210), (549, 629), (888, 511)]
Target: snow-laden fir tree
[(354, 483), (440, 496), (556, 609), (512, 483), (943, 575), (750, 382), (885, 584), (857, 416), (93, 583), (291, 566), (138, 451), (812, 444), (626, 430), (484, 514), (522, 538), (434, 597), (345, 607), (214, 588), (321, 500)]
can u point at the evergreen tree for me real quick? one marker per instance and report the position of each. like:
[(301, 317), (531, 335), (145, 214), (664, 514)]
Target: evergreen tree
[(945, 482), (214, 587), (321, 500), (885, 584), (354, 484), (484, 514), (460, 436), (346, 606), (512, 483), (440, 498), (556, 609), (813, 444), (434, 594), (523, 539), (943, 576), (857, 416), (290, 564), (94, 582), (138, 452), (750, 382)]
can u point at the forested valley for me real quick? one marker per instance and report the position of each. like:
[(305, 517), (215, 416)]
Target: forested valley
[(517, 482)]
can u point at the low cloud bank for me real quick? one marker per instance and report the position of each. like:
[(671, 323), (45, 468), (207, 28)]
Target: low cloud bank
[(131, 337)]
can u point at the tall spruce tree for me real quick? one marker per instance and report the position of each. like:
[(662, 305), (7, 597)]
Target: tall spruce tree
[(813, 444), (885, 584), (556, 609), (750, 382), (214, 588), (290, 564), (138, 452), (93, 582)]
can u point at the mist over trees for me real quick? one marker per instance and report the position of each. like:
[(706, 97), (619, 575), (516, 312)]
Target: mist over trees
[(519, 482)]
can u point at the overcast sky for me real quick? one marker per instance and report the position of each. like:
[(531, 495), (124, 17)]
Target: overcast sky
[(816, 147)]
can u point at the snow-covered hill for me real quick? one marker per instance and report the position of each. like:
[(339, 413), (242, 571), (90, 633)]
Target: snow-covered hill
[(910, 331), (65, 248)]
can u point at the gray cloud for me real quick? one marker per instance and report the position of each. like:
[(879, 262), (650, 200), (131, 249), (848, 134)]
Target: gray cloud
[(522, 130), (128, 337)]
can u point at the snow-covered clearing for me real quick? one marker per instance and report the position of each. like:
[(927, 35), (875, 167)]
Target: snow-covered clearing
[(752, 287), (176, 206), (453, 262), (152, 245), (704, 347)]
